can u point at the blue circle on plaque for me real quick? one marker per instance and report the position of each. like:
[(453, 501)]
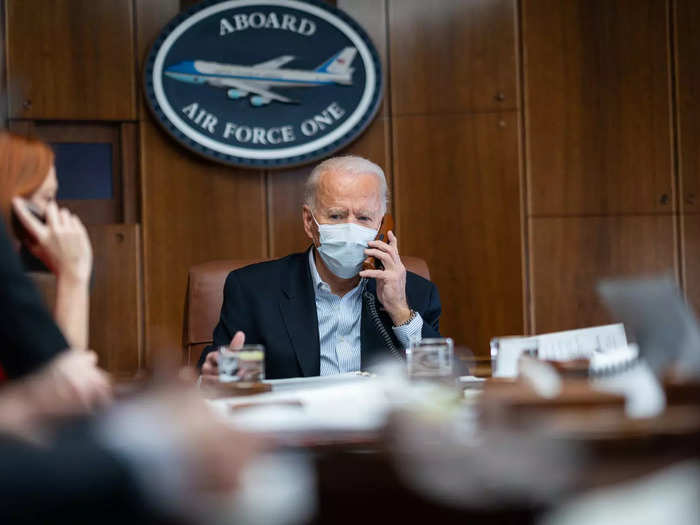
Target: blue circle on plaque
[(264, 83)]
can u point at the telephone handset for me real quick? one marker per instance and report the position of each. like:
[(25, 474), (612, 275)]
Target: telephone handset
[(372, 263), (20, 230)]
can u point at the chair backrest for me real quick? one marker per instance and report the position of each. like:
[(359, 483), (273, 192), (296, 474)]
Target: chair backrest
[(205, 285)]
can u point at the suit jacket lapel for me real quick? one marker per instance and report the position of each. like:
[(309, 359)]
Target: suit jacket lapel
[(298, 307)]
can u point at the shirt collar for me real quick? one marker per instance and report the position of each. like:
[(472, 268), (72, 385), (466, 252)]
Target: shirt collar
[(319, 283), (315, 276)]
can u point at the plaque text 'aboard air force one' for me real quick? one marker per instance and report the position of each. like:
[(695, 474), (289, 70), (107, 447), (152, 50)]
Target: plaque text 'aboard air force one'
[(263, 83)]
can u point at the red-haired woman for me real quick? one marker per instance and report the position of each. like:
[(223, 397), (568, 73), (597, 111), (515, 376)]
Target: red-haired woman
[(28, 187)]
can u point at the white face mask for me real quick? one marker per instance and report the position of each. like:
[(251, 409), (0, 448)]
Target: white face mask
[(343, 247)]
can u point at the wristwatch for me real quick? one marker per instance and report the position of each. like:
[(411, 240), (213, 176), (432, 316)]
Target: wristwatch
[(407, 321)]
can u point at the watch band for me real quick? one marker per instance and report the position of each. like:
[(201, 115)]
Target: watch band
[(407, 321)]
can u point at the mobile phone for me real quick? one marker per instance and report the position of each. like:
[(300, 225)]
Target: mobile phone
[(372, 263), (20, 231)]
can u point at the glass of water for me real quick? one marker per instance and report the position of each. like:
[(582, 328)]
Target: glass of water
[(244, 364), (430, 358)]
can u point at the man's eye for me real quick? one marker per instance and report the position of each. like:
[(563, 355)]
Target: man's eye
[(334, 216)]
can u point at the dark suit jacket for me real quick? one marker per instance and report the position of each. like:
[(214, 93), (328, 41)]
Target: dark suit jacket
[(274, 304), (72, 481), (29, 336)]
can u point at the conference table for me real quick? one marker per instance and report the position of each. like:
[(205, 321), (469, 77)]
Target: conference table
[(385, 449)]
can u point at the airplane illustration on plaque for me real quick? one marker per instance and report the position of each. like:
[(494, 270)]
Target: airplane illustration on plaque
[(256, 80)]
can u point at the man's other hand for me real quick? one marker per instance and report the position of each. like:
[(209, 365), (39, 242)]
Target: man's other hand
[(211, 362)]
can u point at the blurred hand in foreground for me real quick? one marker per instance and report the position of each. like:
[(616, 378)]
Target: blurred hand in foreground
[(69, 384), (188, 460), (215, 451), (72, 382)]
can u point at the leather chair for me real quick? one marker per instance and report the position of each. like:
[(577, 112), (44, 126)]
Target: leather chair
[(205, 285)]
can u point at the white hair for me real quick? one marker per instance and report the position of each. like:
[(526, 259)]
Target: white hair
[(349, 164)]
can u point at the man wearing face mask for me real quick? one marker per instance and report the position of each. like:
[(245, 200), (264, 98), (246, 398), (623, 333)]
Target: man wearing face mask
[(318, 312)]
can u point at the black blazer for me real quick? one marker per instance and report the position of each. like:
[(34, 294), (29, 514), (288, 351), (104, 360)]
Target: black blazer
[(274, 304), (72, 481), (29, 336)]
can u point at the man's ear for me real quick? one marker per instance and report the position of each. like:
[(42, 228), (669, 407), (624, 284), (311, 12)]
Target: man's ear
[(309, 224)]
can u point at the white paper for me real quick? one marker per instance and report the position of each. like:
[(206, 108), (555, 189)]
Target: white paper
[(507, 351), (582, 343), (556, 346), (345, 405)]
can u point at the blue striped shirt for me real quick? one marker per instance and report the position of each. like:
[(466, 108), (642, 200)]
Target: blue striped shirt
[(339, 325)]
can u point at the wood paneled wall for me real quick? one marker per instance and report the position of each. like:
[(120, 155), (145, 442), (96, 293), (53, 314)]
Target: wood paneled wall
[(601, 183), (67, 59), (454, 109), (532, 147)]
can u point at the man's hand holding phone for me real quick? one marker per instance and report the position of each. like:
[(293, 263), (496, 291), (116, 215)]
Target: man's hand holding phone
[(391, 281)]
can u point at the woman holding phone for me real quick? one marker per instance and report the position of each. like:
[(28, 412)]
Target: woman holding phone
[(56, 237)]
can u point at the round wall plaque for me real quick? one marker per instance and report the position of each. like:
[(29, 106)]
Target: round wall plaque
[(263, 83)]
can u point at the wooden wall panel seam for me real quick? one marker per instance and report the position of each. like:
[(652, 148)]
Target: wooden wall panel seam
[(396, 177), (142, 300), (138, 77), (4, 92), (458, 115), (448, 113), (531, 279), (145, 250), (612, 214), (679, 227), (524, 108), (389, 131), (79, 120), (134, 72), (672, 104), (6, 63), (522, 166)]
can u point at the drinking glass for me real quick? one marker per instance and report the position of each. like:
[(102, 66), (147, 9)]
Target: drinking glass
[(244, 364), (430, 358)]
